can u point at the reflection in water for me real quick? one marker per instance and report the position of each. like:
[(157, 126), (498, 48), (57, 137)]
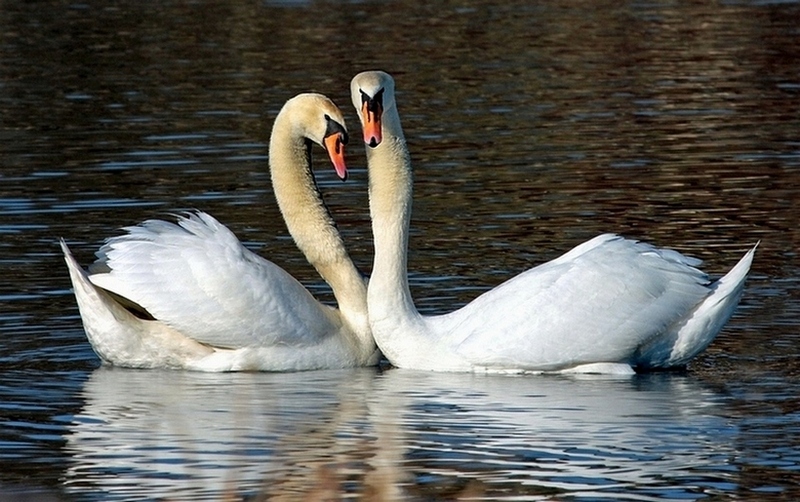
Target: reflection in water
[(192, 435), (580, 437), (395, 436)]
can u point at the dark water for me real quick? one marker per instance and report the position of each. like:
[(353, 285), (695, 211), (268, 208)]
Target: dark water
[(533, 127)]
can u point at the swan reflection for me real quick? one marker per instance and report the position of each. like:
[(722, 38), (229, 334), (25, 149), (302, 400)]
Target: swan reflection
[(396, 435)]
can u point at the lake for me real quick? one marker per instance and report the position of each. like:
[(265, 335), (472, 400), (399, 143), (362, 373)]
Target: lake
[(533, 126)]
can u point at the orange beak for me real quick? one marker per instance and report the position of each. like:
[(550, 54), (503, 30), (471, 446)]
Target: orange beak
[(373, 135), (334, 145)]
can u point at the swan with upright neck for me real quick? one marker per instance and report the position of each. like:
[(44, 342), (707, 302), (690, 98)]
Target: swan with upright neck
[(610, 305), (191, 296)]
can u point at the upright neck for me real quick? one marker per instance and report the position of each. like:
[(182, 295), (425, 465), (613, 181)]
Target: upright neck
[(390, 195), (309, 221)]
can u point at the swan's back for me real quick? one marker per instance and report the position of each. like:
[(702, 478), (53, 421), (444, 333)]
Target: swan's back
[(598, 303)]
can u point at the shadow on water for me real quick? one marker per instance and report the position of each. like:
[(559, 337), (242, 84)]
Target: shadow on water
[(532, 127)]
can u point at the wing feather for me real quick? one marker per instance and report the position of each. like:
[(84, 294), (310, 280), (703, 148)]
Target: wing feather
[(197, 277), (598, 302)]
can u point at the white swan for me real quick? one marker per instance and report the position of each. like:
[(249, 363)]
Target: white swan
[(609, 305), (212, 305)]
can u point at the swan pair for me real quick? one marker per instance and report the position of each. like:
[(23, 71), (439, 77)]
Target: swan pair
[(205, 302)]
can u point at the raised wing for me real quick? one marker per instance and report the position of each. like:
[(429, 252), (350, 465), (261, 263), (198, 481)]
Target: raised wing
[(196, 277), (598, 303)]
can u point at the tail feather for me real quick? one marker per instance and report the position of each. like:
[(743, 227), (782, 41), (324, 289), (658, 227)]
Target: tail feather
[(119, 337), (694, 333), (100, 314)]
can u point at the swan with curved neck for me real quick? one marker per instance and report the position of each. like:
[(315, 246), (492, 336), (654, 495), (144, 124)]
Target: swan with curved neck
[(190, 295), (608, 305)]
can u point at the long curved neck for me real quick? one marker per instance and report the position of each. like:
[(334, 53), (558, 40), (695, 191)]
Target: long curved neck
[(390, 196), (309, 221)]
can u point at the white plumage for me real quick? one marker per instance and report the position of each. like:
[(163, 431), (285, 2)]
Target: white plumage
[(608, 305), (211, 304)]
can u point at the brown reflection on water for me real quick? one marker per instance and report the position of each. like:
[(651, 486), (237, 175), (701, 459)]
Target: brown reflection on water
[(532, 127)]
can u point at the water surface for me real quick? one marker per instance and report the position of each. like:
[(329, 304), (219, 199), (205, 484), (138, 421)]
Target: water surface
[(532, 127)]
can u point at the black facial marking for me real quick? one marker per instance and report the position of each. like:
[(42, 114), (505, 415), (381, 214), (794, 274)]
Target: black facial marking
[(333, 127), (377, 101), (374, 104)]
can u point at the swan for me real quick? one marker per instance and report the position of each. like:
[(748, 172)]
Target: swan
[(610, 305), (189, 295)]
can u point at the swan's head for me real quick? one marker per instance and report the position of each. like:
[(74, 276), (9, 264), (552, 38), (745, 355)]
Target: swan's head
[(316, 118), (372, 93)]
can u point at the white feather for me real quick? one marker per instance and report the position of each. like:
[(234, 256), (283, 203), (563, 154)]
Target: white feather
[(608, 304)]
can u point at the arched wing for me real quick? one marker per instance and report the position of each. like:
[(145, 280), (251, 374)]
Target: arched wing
[(599, 302), (198, 278)]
